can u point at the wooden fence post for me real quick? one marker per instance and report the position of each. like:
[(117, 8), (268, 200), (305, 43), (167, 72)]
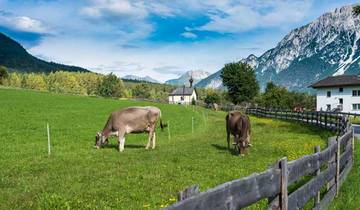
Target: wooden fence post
[(307, 117), (353, 145), (312, 117), (284, 184), (317, 118), (192, 125), (337, 177), (48, 134), (188, 192), (331, 140), (168, 125), (326, 118), (317, 198)]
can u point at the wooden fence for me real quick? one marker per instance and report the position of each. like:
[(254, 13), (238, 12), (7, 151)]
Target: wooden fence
[(334, 121), (286, 185)]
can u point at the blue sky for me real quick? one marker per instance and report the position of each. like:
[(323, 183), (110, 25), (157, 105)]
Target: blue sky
[(160, 38)]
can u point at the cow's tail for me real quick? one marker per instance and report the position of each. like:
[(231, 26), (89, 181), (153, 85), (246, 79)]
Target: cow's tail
[(162, 125)]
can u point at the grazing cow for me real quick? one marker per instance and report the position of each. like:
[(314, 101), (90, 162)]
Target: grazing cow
[(130, 120), (239, 126)]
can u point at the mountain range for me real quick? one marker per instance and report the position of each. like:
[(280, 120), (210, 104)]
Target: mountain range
[(15, 57), (327, 46), (197, 76), (137, 78)]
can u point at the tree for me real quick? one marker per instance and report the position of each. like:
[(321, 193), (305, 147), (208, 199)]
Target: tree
[(274, 96), (211, 97), (3, 74), (14, 80), (240, 80), (142, 91), (111, 86), (356, 10), (193, 102), (89, 81), (35, 81), (64, 82)]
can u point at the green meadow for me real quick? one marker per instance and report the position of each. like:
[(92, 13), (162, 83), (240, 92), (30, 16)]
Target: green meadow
[(76, 176)]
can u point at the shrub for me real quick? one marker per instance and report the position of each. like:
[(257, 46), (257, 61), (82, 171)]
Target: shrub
[(141, 91), (34, 81), (89, 81), (111, 86), (14, 80), (211, 97), (193, 102), (64, 82), (4, 74)]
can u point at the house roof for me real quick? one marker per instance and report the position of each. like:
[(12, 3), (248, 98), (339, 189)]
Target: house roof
[(182, 91), (337, 81)]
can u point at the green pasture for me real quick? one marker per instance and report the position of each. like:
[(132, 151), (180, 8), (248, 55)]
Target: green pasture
[(76, 176)]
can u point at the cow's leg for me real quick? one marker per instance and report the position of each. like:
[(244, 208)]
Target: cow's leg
[(149, 141), (153, 141), (228, 139), (121, 136), (122, 144), (248, 140), (242, 147)]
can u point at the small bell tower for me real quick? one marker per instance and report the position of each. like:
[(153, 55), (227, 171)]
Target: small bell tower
[(191, 80)]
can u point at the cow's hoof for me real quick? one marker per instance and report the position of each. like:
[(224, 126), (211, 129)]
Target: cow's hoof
[(96, 147), (242, 155)]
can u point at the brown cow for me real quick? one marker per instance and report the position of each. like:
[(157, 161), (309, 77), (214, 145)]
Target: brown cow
[(130, 120), (239, 126)]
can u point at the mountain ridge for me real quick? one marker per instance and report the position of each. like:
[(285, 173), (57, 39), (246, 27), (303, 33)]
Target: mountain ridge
[(329, 45), (15, 57), (138, 78), (197, 76)]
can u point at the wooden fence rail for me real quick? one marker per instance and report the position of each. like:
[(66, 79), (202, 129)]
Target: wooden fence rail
[(324, 171), (335, 121)]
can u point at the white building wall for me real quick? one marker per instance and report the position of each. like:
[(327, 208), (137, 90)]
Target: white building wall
[(187, 99), (348, 99)]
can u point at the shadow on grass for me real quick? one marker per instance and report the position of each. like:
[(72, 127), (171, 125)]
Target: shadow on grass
[(224, 148), (127, 146)]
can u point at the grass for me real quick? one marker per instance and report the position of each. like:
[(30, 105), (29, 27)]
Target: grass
[(349, 192), (76, 176), (355, 120)]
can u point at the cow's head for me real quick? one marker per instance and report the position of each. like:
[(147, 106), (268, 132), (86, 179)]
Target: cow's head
[(240, 145), (99, 140)]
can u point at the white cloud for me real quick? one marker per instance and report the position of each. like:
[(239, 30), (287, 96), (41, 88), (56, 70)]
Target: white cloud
[(21, 23), (116, 8), (158, 61), (239, 16), (188, 34)]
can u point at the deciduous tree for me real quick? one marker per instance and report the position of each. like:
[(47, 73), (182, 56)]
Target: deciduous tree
[(240, 80), (111, 86)]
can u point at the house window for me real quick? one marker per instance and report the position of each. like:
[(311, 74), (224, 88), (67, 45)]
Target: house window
[(356, 92), (356, 106), (328, 94), (328, 107), (182, 98), (341, 89), (341, 101)]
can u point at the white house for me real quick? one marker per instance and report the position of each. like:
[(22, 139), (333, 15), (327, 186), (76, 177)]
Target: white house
[(338, 93), (183, 95)]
